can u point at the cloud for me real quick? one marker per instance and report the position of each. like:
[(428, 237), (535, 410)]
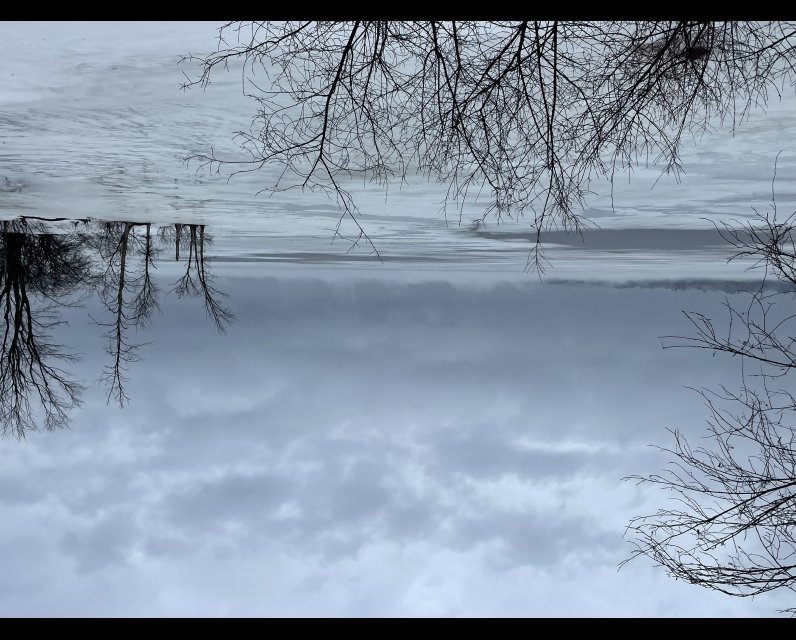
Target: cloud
[(363, 447)]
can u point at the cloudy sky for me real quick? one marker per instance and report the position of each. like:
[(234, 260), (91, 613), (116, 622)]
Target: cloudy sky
[(442, 434)]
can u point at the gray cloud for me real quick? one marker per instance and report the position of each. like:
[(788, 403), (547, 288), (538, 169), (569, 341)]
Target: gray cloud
[(348, 435)]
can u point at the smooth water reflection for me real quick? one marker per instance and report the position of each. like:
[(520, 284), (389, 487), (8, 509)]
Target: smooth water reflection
[(48, 265), (362, 446)]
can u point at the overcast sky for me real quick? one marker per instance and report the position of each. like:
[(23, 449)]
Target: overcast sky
[(401, 439), (365, 448)]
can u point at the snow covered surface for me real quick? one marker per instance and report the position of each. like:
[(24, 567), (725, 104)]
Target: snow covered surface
[(94, 124)]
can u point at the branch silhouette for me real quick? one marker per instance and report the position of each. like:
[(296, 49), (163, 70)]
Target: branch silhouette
[(38, 273), (43, 270), (516, 117), (732, 526), (197, 279)]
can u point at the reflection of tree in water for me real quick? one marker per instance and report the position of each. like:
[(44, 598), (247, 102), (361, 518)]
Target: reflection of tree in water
[(197, 280), (42, 271), (128, 292), (38, 273)]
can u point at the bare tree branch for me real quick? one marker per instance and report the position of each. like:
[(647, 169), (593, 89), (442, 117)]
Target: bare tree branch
[(732, 523), (524, 114), (38, 272)]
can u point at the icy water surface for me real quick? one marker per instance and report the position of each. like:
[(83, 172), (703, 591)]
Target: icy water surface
[(94, 124)]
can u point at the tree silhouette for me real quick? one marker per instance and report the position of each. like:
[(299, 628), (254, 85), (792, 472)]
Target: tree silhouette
[(131, 296), (43, 271), (173, 234), (38, 273), (732, 523), (198, 280), (128, 293), (523, 115)]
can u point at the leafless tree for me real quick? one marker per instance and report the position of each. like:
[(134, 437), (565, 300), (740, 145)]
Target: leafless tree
[(145, 301), (42, 271), (523, 115), (197, 279), (129, 294), (39, 272), (732, 523), (175, 234)]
